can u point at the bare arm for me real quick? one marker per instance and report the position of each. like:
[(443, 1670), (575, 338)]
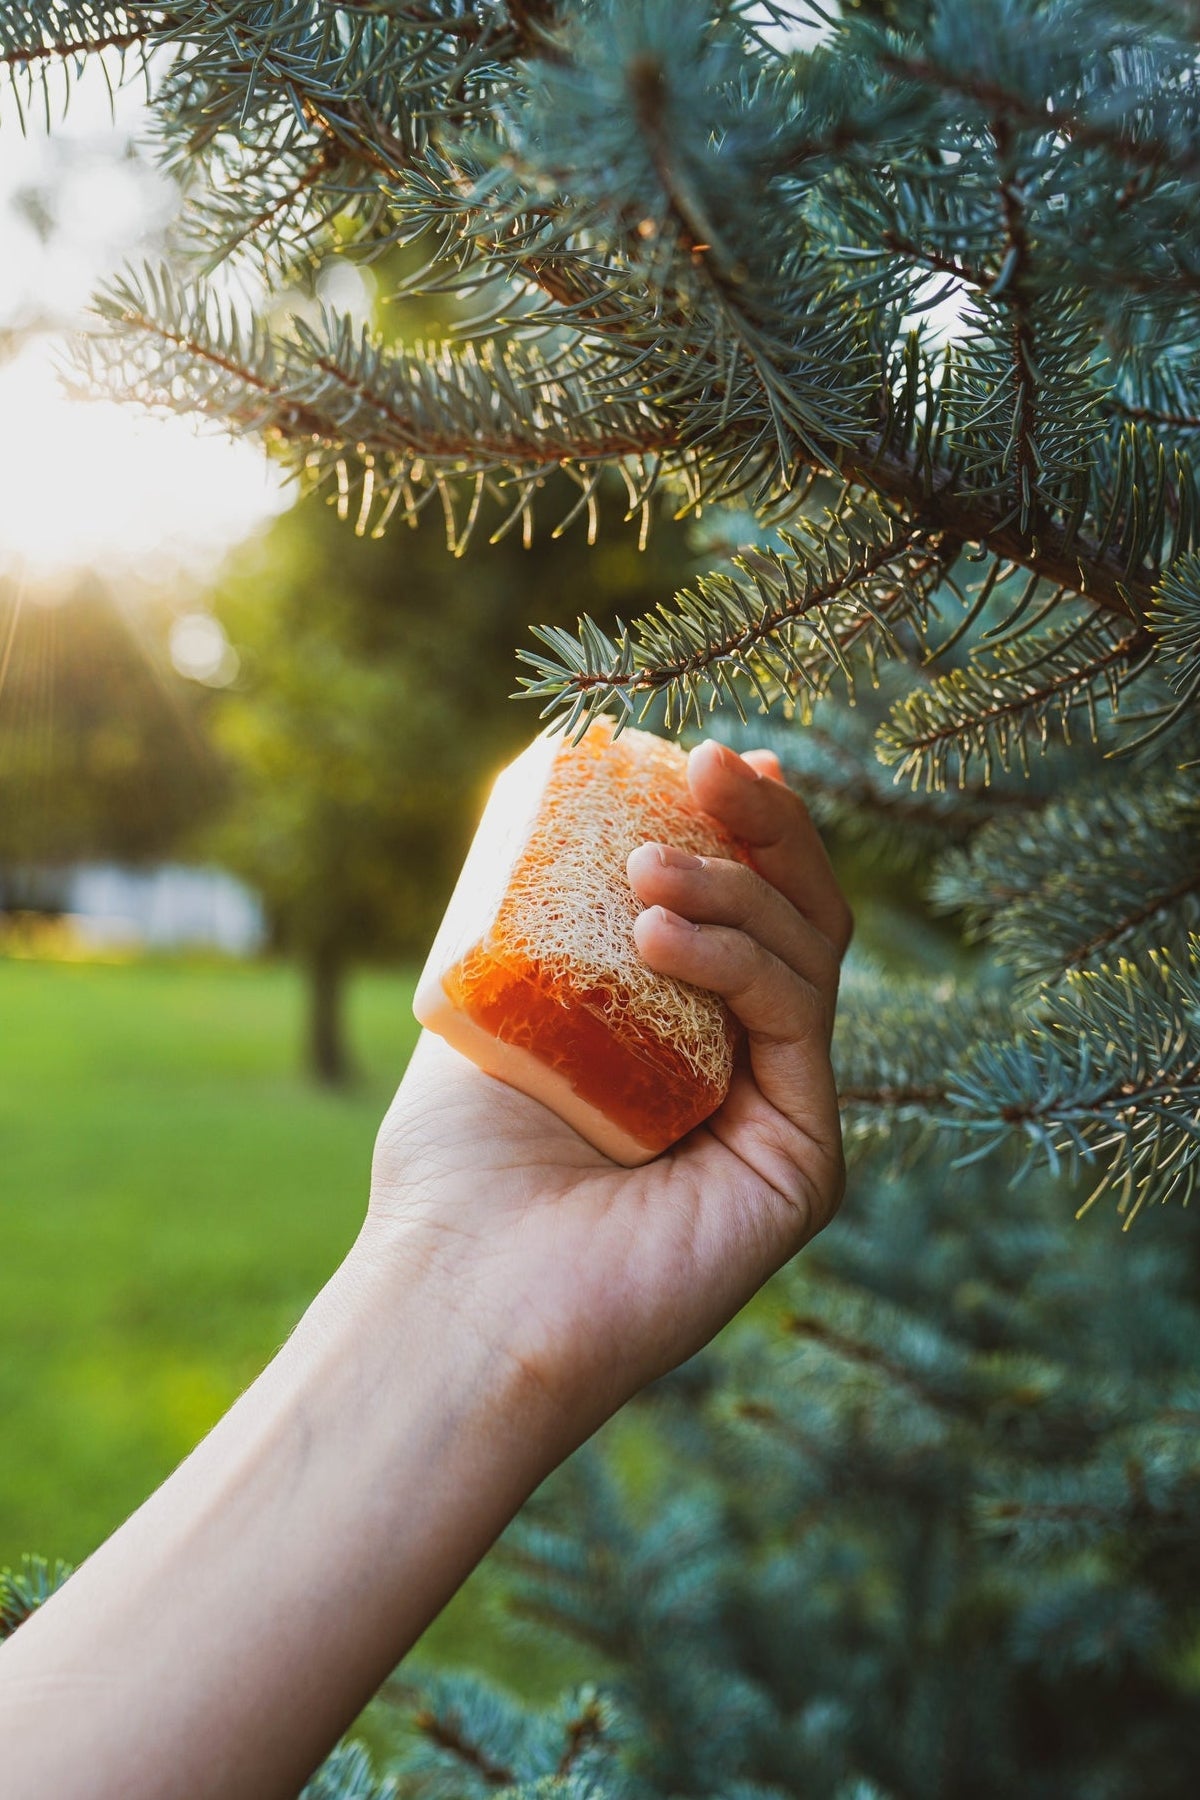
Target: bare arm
[(509, 1290)]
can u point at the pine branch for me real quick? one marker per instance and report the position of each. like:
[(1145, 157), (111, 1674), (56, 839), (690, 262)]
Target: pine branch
[(1159, 417), (347, 1775), (870, 1355), (1061, 556), (584, 1730), (1011, 280), (342, 94), (17, 57), (1176, 156), (1146, 1486), (59, 38), (990, 710), (937, 261), (412, 419), (447, 1733), (897, 1045), (779, 389), (1175, 621), (909, 1359), (1146, 498), (1111, 1069), (181, 330), (1115, 870), (730, 638), (842, 783), (1108, 1069), (305, 73), (1019, 405)]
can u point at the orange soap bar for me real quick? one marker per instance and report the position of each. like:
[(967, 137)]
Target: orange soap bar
[(534, 974)]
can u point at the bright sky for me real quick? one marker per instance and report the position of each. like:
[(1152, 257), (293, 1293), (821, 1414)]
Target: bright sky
[(93, 483)]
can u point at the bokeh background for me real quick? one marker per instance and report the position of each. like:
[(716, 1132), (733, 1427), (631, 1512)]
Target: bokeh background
[(923, 1522), (242, 752)]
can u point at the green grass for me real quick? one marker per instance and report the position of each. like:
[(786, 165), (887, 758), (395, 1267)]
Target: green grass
[(173, 1192)]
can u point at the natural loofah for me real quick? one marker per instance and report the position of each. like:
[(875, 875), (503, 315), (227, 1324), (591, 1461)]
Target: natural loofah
[(534, 973)]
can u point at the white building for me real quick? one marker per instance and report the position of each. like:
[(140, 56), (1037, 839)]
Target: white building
[(167, 907)]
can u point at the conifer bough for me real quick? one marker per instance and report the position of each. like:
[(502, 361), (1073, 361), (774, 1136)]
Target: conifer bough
[(907, 301)]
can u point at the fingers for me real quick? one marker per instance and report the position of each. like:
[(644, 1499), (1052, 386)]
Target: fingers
[(794, 1140), (771, 999), (765, 761), (715, 891), (769, 940), (748, 796)]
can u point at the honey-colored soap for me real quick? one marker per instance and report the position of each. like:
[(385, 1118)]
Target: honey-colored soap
[(534, 974)]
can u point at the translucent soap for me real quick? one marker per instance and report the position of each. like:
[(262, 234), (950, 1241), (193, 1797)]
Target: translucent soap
[(534, 974)]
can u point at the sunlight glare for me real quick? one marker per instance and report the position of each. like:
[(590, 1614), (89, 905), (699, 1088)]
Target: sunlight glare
[(201, 651), (93, 484), (97, 484)]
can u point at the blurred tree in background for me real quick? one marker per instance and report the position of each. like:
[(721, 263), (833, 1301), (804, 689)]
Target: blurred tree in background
[(370, 713), (104, 751)]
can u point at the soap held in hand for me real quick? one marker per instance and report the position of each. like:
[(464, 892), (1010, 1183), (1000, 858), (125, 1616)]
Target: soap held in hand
[(534, 974)]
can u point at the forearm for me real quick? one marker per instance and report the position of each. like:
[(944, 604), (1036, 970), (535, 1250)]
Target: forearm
[(222, 1640)]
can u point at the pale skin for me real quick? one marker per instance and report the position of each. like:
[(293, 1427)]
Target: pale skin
[(510, 1289)]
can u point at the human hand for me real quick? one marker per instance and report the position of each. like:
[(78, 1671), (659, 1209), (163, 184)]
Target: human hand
[(593, 1278), (511, 1287)]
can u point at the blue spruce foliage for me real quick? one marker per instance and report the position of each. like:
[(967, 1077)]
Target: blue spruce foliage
[(903, 299)]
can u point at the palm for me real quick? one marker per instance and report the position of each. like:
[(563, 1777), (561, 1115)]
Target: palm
[(623, 1272), (612, 1275)]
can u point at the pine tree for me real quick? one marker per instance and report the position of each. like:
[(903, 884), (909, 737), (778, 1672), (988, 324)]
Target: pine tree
[(905, 302), (908, 302), (924, 1529)]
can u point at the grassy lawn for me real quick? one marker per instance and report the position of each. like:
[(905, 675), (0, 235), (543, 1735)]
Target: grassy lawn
[(172, 1194)]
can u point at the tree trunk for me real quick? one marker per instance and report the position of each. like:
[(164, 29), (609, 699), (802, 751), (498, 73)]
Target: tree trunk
[(328, 1058)]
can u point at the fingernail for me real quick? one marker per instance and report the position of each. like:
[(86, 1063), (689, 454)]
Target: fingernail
[(737, 765), (673, 919), (671, 858)]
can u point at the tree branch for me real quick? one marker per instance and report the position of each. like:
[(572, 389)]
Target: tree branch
[(1016, 301), (60, 50), (1077, 565), (447, 1735), (587, 1727), (891, 1098), (735, 646), (1034, 698), (1129, 921), (1089, 134)]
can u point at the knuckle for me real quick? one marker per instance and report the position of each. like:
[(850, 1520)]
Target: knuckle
[(793, 812), (747, 964), (828, 966), (808, 1011), (837, 1186), (744, 889), (735, 892), (789, 1009)]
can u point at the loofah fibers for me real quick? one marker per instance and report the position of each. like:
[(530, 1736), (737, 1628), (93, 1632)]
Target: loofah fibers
[(542, 960)]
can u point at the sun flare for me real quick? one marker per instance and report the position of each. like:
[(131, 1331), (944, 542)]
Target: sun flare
[(95, 484)]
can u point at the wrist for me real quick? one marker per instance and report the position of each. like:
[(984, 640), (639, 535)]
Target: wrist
[(478, 1340)]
